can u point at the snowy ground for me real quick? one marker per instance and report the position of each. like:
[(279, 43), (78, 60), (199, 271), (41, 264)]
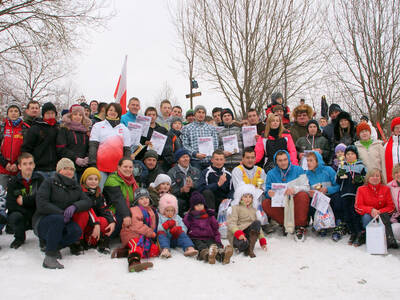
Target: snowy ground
[(317, 268)]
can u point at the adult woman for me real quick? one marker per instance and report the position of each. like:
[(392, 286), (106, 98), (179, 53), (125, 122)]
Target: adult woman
[(392, 148), (276, 138), (73, 139), (374, 199), (344, 131), (371, 152), (394, 186), (119, 190), (109, 142), (57, 200)]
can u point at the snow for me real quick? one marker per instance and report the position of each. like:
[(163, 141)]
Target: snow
[(317, 268)]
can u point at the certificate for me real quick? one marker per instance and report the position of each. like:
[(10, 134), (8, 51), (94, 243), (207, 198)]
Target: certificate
[(158, 142), (231, 143), (303, 161), (320, 202), (145, 121), (135, 130), (249, 136), (206, 145), (278, 200)]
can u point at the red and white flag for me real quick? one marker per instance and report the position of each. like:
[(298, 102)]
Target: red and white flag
[(120, 91)]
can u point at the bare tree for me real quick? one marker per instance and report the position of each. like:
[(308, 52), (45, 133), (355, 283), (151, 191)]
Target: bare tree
[(366, 37), (165, 92)]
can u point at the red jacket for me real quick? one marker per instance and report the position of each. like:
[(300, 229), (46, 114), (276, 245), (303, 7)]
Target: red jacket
[(370, 196), (12, 138)]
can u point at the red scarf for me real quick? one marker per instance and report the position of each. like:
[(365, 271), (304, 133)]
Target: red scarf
[(51, 122), (27, 185), (389, 159), (129, 181)]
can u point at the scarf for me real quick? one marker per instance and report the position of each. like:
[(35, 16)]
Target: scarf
[(27, 185), (113, 122), (184, 170), (75, 126), (16, 122), (200, 214), (51, 121), (389, 159), (366, 144), (274, 132), (131, 186), (144, 241)]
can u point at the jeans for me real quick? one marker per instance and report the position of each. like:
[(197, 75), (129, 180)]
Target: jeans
[(365, 219), (182, 241)]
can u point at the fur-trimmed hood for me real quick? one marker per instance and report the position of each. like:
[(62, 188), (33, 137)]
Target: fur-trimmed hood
[(301, 108), (347, 116)]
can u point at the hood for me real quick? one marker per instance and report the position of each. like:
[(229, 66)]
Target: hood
[(242, 190), (347, 116), (288, 155), (321, 163)]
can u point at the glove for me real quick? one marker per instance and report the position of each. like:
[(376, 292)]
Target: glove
[(168, 224), (69, 212), (81, 162), (238, 233), (176, 231), (263, 242)]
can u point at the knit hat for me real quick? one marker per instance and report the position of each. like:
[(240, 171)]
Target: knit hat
[(363, 126), (334, 107), (275, 96), (197, 198), (198, 107), (395, 121), (167, 200), (85, 105), (174, 119), (313, 122), (181, 152), (140, 193), (48, 106), (351, 148), (88, 172), (364, 117), (161, 178), (226, 111), (340, 147), (14, 106), (150, 153), (190, 112), (64, 163), (77, 108), (244, 189), (277, 107)]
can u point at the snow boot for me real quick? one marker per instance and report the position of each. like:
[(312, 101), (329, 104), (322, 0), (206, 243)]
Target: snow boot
[(50, 261), (360, 239), (212, 253), (190, 251), (339, 231), (300, 234), (165, 253), (16, 243), (353, 237), (76, 248), (203, 255), (391, 241), (119, 253), (103, 246), (226, 254), (135, 265), (253, 236), (42, 245)]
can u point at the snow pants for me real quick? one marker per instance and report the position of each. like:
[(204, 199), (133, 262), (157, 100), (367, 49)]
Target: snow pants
[(82, 219), (135, 248)]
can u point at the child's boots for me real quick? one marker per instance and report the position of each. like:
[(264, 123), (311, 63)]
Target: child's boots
[(224, 255), (253, 237), (135, 265)]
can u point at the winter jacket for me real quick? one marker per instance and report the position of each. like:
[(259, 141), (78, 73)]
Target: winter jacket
[(40, 141), (11, 139), (267, 147), (297, 131), (119, 195), (395, 191), (138, 228), (178, 179), (162, 219), (72, 144), (228, 130), (392, 155), (128, 117), (343, 137), (144, 139), (152, 175), (328, 133), (277, 175), (140, 172), (173, 143), (16, 188), (373, 196), (201, 228), (356, 172), (241, 175), (323, 175), (373, 157), (29, 120), (56, 194), (317, 142), (99, 208), (209, 181), (286, 112)]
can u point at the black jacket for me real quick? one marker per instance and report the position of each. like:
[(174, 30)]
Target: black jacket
[(173, 143), (40, 141), (99, 205), (56, 194), (143, 139)]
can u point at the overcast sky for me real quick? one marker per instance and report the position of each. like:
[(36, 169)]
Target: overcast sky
[(142, 30)]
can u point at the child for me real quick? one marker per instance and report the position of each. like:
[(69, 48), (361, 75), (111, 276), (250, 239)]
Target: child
[(160, 186), (350, 177), (171, 230), (202, 228), (97, 229), (243, 227), (339, 152), (138, 237), (277, 99)]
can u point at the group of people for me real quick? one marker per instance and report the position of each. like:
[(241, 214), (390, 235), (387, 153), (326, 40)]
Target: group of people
[(79, 180)]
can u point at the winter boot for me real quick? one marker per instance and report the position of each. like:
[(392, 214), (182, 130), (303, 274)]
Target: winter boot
[(42, 245), (76, 248), (190, 251), (50, 261), (339, 231), (226, 254), (119, 253), (165, 253), (360, 239), (84, 245), (391, 241), (253, 236), (103, 246), (203, 255), (135, 265), (212, 253), (300, 234), (16, 243), (352, 238)]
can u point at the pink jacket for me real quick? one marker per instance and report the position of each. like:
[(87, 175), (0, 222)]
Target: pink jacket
[(291, 148), (395, 191)]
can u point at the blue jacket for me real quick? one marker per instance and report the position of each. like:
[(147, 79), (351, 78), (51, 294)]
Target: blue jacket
[(162, 219), (128, 117), (324, 175), (276, 175)]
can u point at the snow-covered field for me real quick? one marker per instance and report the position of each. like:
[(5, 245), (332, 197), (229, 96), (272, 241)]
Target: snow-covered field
[(315, 269)]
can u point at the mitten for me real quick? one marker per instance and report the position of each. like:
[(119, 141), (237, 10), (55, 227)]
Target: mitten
[(168, 224), (69, 212), (238, 233), (263, 242), (176, 231)]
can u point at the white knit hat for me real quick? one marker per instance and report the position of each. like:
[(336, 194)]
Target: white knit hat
[(244, 189), (161, 178)]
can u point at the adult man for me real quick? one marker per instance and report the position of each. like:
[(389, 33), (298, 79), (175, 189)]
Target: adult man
[(285, 172), (247, 172), (21, 198), (150, 162), (198, 129), (230, 129), (32, 112), (216, 182), (176, 111), (254, 120), (165, 113), (216, 114), (328, 132), (184, 179), (189, 116), (301, 115), (94, 105), (133, 109)]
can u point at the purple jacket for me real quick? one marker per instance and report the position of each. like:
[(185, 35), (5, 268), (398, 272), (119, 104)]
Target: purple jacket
[(202, 228)]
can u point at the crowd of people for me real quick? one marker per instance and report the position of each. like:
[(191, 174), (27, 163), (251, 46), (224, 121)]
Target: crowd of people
[(78, 180)]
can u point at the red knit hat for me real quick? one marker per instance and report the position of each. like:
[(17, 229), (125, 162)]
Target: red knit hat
[(395, 121), (363, 126)]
